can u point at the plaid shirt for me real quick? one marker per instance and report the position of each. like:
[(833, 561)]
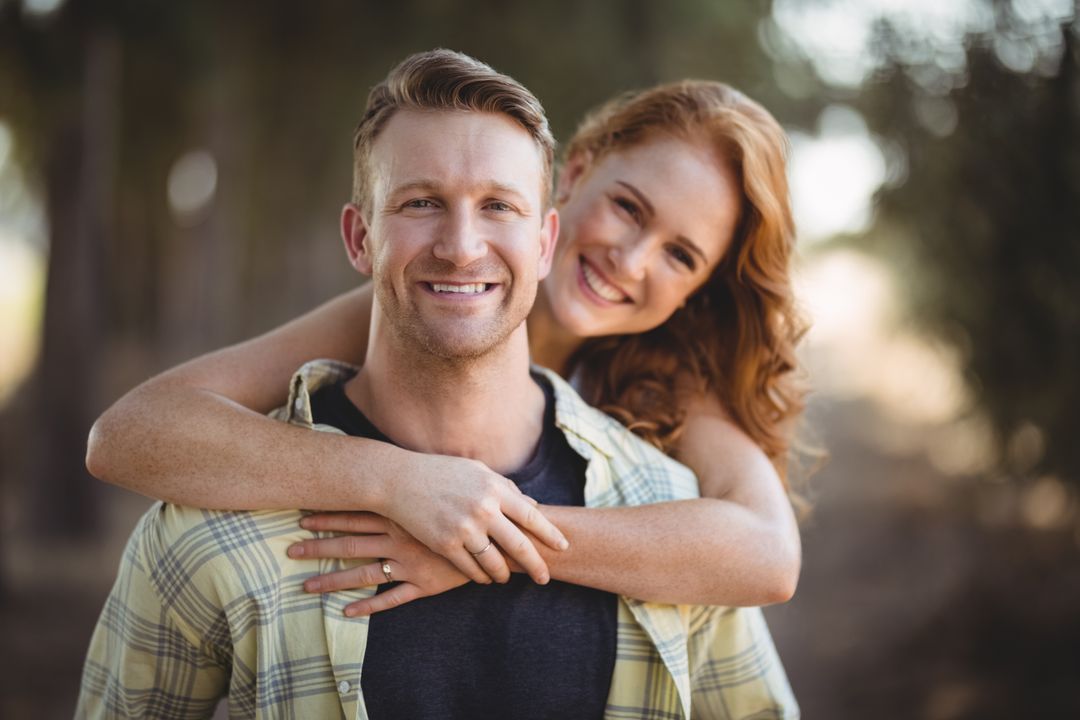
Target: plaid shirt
[(208, 604)]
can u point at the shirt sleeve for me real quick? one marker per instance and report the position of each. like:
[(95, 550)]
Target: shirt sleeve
[(144, 660), (735, 671)]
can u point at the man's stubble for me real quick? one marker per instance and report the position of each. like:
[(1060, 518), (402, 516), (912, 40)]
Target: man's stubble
[(462, 342)]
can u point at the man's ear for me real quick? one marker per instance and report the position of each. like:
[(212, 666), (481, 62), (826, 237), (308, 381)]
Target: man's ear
[(572, 171), (549, 235), (354, 232)]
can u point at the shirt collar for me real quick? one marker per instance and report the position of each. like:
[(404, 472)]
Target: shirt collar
[(572, 414)]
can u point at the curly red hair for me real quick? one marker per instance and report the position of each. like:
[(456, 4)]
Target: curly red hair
[(736, 335)]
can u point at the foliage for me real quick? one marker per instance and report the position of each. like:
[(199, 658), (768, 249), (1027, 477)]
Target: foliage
[(986, 228)]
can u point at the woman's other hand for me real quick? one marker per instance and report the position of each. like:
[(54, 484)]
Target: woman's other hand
[(418, 571)]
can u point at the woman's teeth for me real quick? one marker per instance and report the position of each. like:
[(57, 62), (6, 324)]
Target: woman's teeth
[(472, 289), (599, 286)]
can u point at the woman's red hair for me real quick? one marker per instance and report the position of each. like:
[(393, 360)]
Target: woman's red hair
[(736, 335)]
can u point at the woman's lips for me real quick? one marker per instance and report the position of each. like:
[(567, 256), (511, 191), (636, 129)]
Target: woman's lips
[(597, 285)]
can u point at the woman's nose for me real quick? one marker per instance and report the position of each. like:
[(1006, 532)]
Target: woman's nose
[(631, 260)]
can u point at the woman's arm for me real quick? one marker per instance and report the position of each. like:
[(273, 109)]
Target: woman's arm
[(179, 434), (195, 435), (738, 545)]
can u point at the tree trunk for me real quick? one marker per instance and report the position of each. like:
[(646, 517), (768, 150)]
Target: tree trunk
[(79, 186)]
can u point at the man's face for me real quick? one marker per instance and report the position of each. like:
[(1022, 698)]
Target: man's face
[(456, 237)]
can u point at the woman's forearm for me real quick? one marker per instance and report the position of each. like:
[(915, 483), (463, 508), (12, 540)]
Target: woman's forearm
[(195, 447), (195, 434), (172, 440), (703, 552)]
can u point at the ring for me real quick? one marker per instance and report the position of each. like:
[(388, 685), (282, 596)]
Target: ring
[(482, 550), (386, 570)]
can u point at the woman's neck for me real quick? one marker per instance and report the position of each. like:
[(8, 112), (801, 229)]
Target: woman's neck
[(550, 345)]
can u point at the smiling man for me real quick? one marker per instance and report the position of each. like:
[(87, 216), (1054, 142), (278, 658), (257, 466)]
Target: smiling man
[(451, 218)]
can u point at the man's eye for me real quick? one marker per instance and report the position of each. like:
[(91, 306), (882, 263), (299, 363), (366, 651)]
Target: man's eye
[(499, 206), (682, 256), (419, 203), (629, 207)]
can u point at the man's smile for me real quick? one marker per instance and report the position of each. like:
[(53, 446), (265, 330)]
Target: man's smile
[(459, 290)]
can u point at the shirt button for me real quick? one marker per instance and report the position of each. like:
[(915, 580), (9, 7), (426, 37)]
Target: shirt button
[(343, 687)]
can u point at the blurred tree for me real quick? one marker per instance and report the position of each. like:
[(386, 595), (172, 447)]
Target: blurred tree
[(986, 227), (65, 87)]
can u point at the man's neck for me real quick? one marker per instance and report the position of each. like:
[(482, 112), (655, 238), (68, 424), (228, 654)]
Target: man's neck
[(487, 408)]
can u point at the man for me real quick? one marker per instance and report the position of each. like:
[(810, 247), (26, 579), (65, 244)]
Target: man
[(453, 223)]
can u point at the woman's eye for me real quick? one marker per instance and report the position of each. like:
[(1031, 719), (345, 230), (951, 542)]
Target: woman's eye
[(629, 207), (682, 256)]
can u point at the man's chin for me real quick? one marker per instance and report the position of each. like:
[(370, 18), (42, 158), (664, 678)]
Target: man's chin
[(462, 346)]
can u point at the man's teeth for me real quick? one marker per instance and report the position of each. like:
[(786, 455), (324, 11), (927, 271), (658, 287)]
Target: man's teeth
[(472, 289), (598, 286)]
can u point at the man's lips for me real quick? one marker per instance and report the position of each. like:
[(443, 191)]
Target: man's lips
[(458, 290), (598, 285)]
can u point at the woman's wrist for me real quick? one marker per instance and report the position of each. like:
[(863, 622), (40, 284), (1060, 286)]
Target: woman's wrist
[(383, 492)]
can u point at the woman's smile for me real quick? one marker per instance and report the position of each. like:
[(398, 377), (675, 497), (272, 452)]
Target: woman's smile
[(597, 287)]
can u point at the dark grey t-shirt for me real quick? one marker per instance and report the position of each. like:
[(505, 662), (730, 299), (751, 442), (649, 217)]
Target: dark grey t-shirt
[(518, 650)]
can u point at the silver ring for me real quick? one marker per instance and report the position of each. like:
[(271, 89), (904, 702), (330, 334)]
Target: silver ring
[(386, 570), (483, 550)]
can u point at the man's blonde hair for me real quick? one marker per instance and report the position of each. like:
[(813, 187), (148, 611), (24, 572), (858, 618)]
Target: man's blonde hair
[(447, 80)]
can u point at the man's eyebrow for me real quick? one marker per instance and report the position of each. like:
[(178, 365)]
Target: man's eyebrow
[(413, 185), (652, 211), (493, 186), (506, 188)]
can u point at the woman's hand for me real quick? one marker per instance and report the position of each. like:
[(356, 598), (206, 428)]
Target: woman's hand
[(471, 515), (418, 571)]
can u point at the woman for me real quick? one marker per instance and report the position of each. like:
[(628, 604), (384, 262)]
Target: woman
[(669, 304)]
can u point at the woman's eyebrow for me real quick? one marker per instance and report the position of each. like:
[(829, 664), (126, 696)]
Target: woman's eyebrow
[(649, 209), (639, 195)]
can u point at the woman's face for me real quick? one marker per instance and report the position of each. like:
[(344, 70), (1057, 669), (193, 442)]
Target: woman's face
[(641, 230)]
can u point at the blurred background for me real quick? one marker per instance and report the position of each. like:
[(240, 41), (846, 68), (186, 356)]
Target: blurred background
[(170, 181)]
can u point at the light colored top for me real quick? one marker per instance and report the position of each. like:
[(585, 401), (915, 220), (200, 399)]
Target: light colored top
[(207, 604)]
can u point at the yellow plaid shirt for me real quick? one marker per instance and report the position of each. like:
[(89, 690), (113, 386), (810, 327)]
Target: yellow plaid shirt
[(207, 605)]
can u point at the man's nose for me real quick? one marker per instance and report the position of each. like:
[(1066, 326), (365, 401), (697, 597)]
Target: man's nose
[(460, 241)]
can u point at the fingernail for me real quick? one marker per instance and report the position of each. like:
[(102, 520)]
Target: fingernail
[(312, 586), (305, 523), (296, 551), (543, 580), (564, 544)]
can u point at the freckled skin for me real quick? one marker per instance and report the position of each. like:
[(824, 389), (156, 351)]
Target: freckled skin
[(632, 241)]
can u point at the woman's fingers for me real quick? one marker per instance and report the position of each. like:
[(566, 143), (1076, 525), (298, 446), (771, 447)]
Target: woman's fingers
[(357, 577), (523, 511), (346, 546), (467, 564), (392, 598), (353, 522), (489, 558), (514, 543)]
